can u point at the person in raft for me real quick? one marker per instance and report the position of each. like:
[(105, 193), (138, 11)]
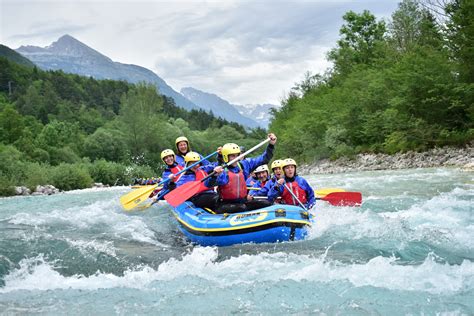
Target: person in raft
[(172, 167), (263, 176), (182, 148), (267, 185), (205, 199), (252, 179), (231, 181), (292, 181)]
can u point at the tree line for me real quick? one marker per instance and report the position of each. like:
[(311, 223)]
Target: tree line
[(397, 85)]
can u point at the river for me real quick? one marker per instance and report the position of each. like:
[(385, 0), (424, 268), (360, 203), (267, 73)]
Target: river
[(409, 249)]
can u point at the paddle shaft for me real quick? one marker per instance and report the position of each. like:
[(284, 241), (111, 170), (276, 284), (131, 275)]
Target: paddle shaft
[(184, 192), (238, 158), (296, 198), (184, 170), (188, 167), (135, 197)]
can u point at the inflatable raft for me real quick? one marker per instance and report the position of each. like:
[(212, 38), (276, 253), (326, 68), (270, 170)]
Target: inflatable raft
[(271, 224)]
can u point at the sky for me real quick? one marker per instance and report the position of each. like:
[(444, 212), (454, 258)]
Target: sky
[(246, 52)]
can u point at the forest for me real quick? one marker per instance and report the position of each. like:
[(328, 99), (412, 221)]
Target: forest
[(398, 85)]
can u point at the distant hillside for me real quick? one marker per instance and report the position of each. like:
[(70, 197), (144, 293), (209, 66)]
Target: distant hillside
[(72, 56), (218, 106), (10, 54), (258, 112)]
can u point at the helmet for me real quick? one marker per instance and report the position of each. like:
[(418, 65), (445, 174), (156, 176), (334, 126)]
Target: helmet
[(192, 157), (181, 139), (288, 162), (167, 152), (277, 164), (261, 168), (229, 149)]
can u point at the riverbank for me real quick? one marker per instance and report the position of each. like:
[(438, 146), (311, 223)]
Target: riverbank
[(437, 157)]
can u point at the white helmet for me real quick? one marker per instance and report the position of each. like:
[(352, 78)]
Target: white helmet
[(261, 168)]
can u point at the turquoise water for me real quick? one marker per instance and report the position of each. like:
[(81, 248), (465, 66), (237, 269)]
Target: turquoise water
[(408, 250)]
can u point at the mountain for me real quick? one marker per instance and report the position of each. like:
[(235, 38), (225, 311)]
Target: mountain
[(218, 106), (10, 54), (259, 112), (72, 56)]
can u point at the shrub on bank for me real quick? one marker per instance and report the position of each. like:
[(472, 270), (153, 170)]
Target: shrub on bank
[(70, 177), (17, 169), (109, 173)]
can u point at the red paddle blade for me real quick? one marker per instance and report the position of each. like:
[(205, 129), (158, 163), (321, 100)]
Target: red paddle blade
[(185, 192), (344, 198)]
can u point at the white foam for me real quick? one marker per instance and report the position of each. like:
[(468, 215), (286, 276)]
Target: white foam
[(86, 247), (97, 189), (106, 214), (380, 272), (445, 219)]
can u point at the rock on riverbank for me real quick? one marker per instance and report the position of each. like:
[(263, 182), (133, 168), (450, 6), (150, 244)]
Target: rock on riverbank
[(47, 189), (437, 157)]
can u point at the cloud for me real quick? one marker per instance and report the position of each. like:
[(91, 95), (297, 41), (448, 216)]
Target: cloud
[(243, 51)]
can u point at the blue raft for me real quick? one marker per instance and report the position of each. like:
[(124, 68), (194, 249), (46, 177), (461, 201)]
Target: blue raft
[(271, 224)]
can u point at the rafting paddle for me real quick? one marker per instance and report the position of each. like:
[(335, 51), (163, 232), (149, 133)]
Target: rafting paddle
[(186, 191), (132, 199), (343, 198), (336, 198)]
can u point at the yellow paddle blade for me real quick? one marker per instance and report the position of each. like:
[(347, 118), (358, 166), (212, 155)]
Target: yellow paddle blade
[(139, 186), (253, 189), (135, 197), (325, 191)]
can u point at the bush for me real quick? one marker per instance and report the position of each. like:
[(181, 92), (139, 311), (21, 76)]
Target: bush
[(136, 171), (12, 164), (70, 177), (64, 154), (6, 186), (395, 142), (110, 173), (36, 174), (40, 155)]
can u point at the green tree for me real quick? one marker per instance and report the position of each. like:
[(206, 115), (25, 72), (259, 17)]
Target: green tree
[(106, 144), (11, 125), (412, 26), (142, 121), (461, 36), (360, 37)]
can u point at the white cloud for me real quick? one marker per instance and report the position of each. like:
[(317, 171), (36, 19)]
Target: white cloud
[(243, 51)]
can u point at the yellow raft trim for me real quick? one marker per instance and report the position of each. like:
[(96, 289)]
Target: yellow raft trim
[(305, 222)]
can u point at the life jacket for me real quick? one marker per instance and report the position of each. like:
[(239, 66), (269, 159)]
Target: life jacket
[(236, 188), (175, 169), (200, 174), (288, 198), (262, 184)]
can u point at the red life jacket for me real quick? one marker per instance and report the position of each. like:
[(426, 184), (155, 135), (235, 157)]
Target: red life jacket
[(175, 170), (236, 188), (288, 198), (200, 174), (262, 184)]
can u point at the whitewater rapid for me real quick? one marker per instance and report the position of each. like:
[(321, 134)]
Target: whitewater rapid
[(407, 250)]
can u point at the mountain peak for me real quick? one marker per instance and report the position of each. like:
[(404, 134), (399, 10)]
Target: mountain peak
[(70, 46), (72, 56), (67, 40)]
